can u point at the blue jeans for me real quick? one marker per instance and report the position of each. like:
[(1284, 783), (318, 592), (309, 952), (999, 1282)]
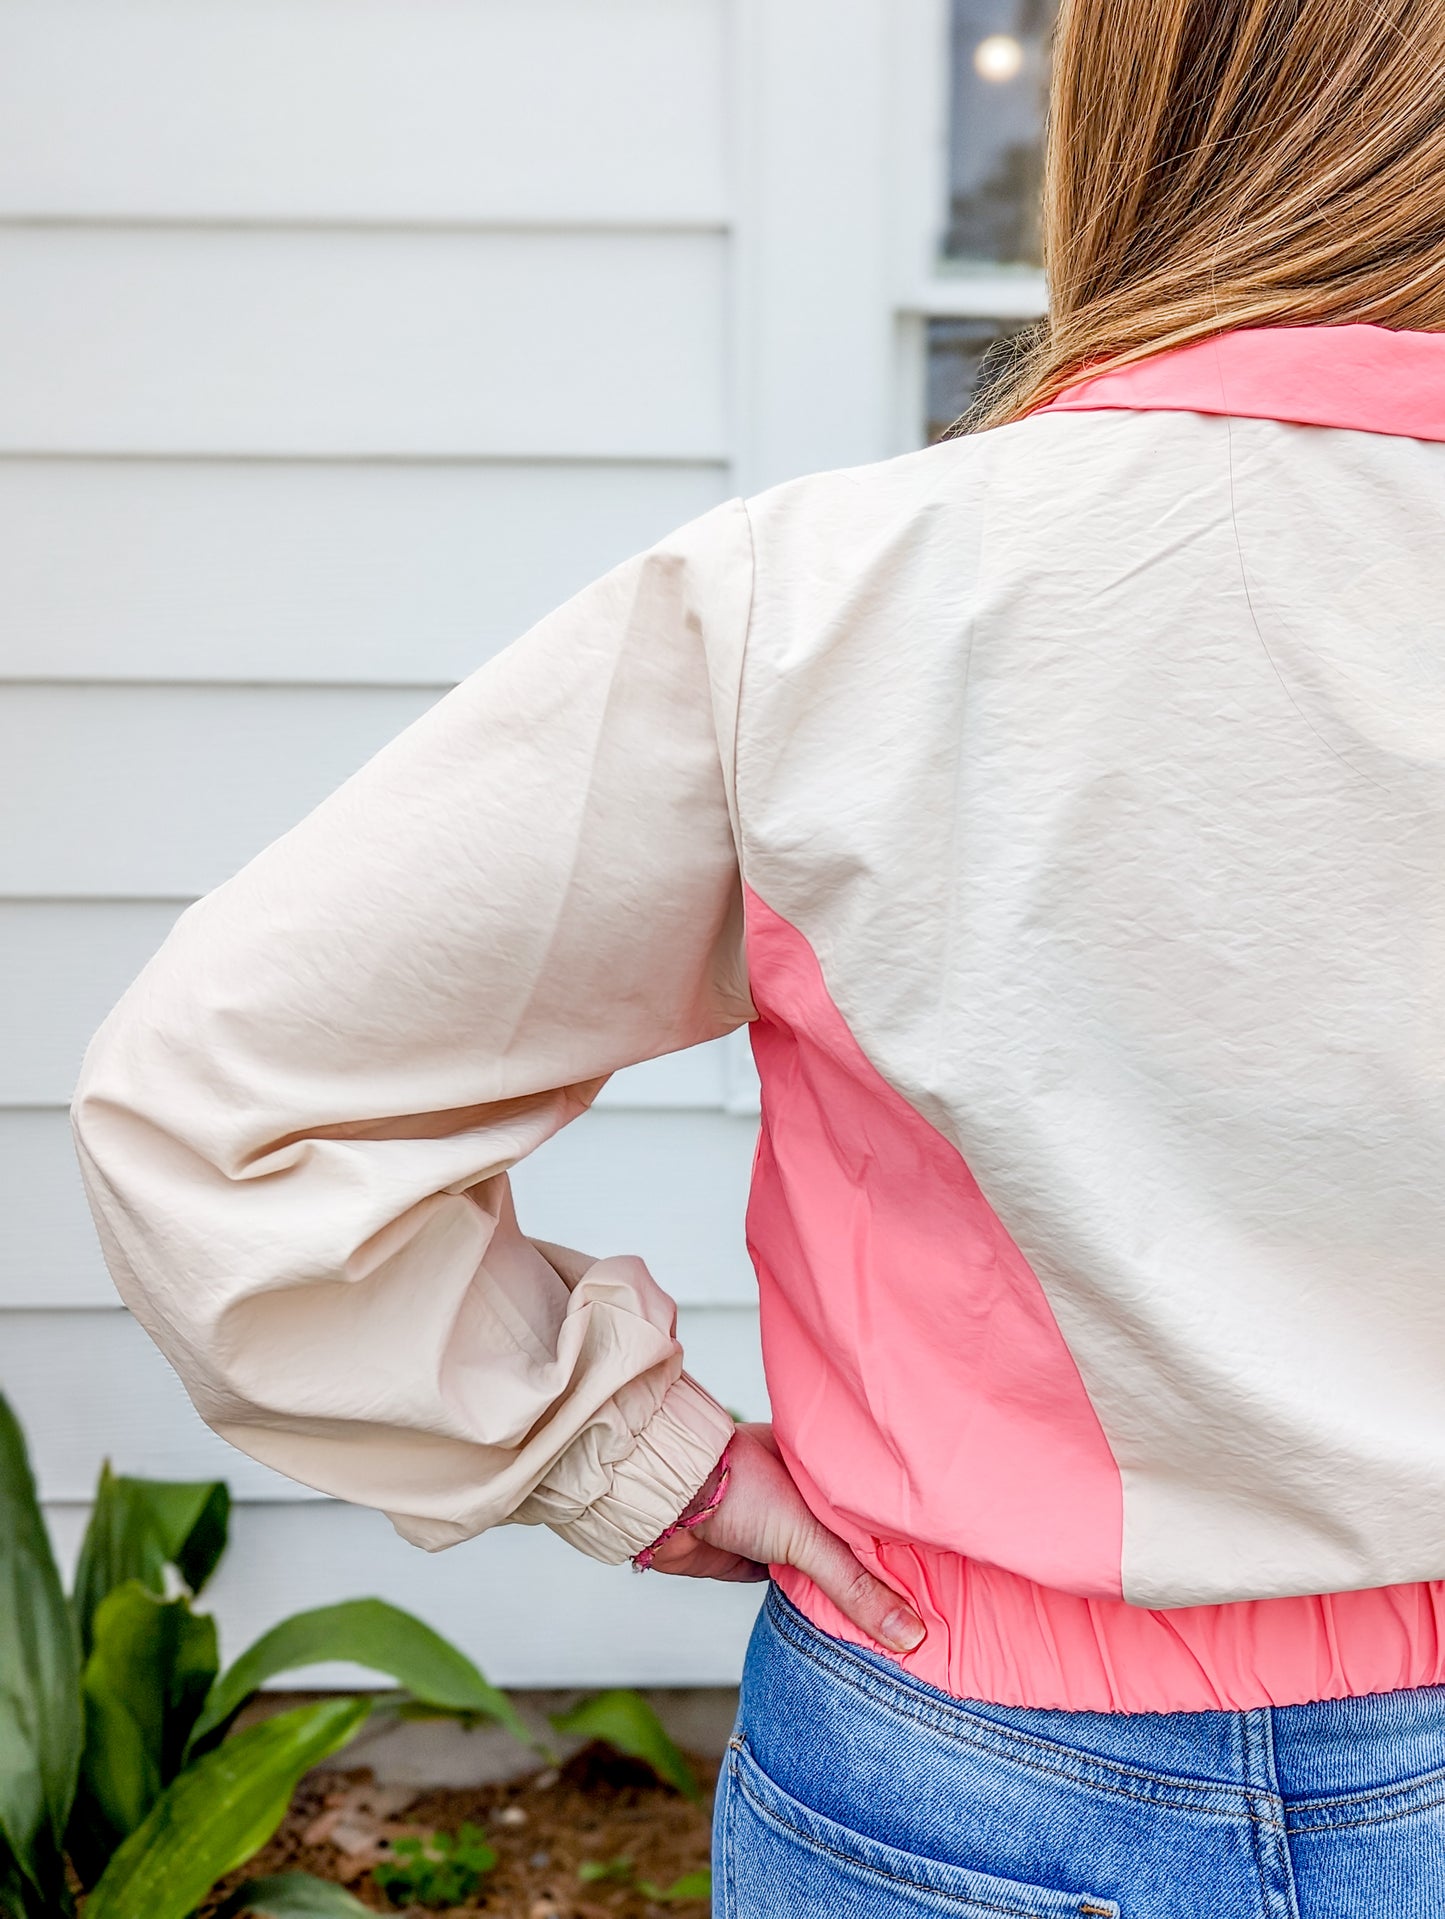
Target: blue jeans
[(853, 1791)]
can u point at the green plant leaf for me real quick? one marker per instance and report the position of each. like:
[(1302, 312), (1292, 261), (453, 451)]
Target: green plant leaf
[(151, 1665), (692, 1885), (18, 1897), (292, 1895), (201, 1546), (616, 1871), (119, 1784), (625, 1721), (40, 1722), (371, 1633), (219, 1812), (137, 1528)]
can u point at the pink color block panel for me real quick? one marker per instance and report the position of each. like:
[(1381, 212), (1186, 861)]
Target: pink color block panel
[(992, 1635), (1363, 378), (921, 1387)]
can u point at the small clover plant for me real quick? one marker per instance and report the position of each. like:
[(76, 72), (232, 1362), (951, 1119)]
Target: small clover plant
[(437, 1871)]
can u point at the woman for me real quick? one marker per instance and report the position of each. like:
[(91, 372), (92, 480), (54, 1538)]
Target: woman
[(1064, 807)]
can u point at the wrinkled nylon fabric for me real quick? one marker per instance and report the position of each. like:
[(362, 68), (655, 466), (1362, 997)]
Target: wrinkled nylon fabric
[(1098, 760), (1091, 771), (920, 1386)]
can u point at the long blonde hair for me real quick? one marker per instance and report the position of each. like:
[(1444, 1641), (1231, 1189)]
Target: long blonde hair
[(1215, 164)]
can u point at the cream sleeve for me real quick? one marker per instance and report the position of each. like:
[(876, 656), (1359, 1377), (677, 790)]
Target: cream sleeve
[(295, 1128)]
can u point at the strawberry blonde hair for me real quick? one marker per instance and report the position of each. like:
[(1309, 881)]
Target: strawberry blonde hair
[(1215, 164)]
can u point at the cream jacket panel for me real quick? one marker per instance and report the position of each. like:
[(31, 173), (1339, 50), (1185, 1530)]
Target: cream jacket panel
[(295, 1127)]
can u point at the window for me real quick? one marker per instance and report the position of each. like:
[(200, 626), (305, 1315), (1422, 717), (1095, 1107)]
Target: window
[(987, 284), (957, 352), (998, 54)]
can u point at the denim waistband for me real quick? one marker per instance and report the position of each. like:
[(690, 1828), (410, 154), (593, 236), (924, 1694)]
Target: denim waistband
[(1328, 1754)]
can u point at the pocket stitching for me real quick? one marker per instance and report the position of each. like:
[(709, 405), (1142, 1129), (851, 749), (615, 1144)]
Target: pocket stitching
[(1105, 1908), (1374, 1819), (730, 1849)]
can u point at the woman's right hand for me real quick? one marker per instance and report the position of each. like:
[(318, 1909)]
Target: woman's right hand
[(764, 1521)]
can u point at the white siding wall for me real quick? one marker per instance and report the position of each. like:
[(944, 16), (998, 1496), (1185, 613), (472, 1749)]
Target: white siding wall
[(339, 340)]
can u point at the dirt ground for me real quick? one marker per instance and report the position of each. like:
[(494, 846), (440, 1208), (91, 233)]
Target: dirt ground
[(597, 1808)]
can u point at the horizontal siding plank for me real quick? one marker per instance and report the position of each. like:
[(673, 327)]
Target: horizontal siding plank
[(64, 964), (163, 792), (670, 1187), (313, 572), (89, 1385), (270, 342), (48, 1252), (699, 1077), (529, 1610), (495, 110)]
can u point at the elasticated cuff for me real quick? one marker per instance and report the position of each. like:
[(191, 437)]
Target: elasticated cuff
[(657, 1480)]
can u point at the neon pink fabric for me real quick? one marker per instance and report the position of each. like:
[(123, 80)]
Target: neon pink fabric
[(919, 1381), (921, 1387), (1365, 378), (995, 1636)]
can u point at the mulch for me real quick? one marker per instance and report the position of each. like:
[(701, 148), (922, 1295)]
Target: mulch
[(597, 1808)]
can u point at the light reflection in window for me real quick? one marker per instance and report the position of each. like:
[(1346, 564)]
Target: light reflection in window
[(999, 58)]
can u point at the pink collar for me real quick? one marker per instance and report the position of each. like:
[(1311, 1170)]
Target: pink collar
[(1362, 377)]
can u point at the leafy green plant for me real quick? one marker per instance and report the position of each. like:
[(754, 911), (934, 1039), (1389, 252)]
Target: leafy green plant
[(114, 1709), (440, 1870), (139, 1527), (40, 1719), (370, 1633), (219, 1812), (117, 1749), (148, 1661)]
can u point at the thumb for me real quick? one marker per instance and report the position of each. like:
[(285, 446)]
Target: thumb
[(871, 1605)]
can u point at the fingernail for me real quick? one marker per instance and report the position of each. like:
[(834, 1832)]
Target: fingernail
[(903, 1630)]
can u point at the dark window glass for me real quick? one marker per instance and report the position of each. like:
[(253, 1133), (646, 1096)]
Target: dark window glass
[(964, 357), (999, 67)]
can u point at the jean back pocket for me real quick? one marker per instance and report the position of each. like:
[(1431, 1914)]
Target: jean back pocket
[(776, 1856)]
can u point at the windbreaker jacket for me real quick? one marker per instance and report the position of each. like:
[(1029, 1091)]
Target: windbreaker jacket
[(1064, 809)]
